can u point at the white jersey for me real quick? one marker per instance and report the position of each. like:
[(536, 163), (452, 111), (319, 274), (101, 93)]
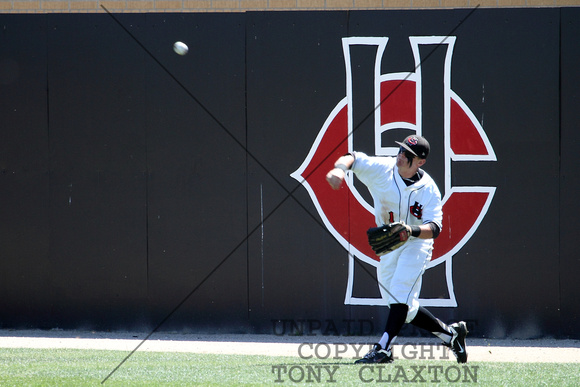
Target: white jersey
[(400, 271), (394, 201)]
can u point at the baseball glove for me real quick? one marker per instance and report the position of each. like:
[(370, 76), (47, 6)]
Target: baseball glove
[(388, 237)]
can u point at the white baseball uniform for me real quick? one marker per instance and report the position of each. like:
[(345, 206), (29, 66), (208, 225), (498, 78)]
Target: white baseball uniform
[(401, 271)]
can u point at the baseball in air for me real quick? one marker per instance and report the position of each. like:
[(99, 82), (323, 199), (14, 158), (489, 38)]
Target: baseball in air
[(180, 48)]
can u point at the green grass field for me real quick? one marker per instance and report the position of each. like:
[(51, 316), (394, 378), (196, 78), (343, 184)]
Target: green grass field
[(68, 367)]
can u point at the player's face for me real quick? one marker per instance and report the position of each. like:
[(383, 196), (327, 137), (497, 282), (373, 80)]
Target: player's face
[(405, 158), (406, 161)]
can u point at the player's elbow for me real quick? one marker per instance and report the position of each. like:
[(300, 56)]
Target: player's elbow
[(435, 229)]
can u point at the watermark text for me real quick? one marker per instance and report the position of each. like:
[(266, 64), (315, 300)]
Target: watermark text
[(418, 374), (308, 373), (315, 327)]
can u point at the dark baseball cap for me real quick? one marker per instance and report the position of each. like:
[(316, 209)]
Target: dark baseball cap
[(417, 145)]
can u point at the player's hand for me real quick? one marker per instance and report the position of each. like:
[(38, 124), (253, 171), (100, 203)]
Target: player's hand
[(335, 178)]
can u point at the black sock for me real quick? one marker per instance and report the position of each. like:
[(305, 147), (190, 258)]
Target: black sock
[(395, 321), (425, 320)]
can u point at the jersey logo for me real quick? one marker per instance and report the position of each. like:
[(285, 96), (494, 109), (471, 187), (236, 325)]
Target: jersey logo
[(346, 213), (417, 210)]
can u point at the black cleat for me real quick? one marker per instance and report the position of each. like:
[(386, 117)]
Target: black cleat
[(376, 355), (457, 343)]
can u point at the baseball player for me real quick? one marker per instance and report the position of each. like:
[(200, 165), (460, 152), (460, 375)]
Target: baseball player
[(408, 211)]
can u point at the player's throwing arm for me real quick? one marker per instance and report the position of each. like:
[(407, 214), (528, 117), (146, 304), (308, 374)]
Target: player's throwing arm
[(336, 176)]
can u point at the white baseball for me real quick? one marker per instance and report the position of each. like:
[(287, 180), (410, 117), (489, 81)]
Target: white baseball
[(180, 48)]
